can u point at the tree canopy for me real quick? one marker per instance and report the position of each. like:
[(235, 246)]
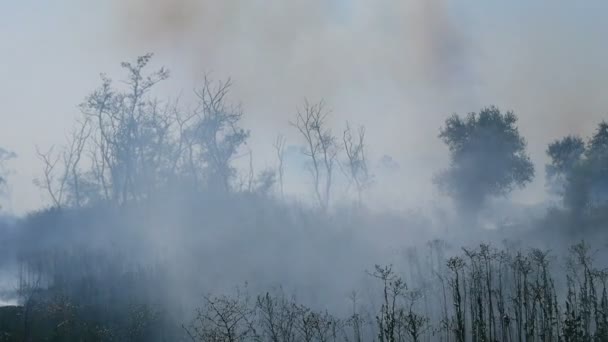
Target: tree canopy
[(487, 157), (138, 145), (579, 171)]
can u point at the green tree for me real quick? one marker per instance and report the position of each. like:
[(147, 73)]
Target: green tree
[(597, 168), (565, 155), (487, 157), (580, 171)]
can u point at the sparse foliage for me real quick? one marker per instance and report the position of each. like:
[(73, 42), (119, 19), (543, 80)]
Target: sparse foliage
[(130, 146), (217, 132), (320, 146), (279, 147), (357, 168)]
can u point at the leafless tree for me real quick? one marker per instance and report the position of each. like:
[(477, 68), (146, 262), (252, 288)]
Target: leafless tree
[(61, 173), (5, 155), (321, 147), (278, 318), (96, 106), (183, 159), (53, 186), (279, 147), (72, 158), (223, 319), (357, 170), (355, 321), (316, 326), (217, 132)]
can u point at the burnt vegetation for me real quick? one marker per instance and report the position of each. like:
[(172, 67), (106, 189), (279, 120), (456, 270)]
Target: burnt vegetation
[(153, 220)]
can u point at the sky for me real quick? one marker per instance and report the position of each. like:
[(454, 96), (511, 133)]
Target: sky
[(399, 67)]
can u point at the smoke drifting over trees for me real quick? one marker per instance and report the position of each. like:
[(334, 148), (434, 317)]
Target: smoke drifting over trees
[(149, 211), (578, 170), (488, 158), (186, 215)]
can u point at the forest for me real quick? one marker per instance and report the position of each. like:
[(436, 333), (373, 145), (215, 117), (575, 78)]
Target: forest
[(159, 228)]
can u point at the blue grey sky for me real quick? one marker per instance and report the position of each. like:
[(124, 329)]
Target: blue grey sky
[(398, 67)]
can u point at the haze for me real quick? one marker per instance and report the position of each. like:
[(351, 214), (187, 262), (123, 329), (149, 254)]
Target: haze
[(397, 67)]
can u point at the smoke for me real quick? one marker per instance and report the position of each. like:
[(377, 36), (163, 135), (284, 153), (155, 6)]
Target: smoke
[(320, 44), (375, 64), (171, 18), (397, 67)]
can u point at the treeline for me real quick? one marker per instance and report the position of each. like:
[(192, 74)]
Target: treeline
[(129, 145)]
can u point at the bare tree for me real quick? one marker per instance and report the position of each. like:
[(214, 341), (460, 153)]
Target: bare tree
[(279, 147), (217, 131), (355, 321), (5, 155), (357, 170), (184, 153), (96, 106), (223, 319), (72, 158), (278, 318), (62, 182), (321, 148), (50, 183)]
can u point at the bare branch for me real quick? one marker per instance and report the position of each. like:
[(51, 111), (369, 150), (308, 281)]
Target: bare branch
[(279, 147), (321, 147), (357, 171), (50, 161)]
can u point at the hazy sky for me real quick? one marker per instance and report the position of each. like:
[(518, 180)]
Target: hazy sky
[(400, 67)]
